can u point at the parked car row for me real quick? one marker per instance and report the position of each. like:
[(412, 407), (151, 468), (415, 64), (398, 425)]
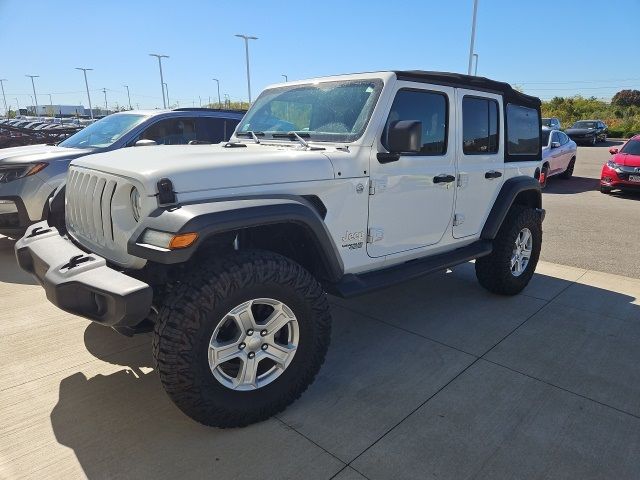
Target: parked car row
[(29, 175), (20, 132)]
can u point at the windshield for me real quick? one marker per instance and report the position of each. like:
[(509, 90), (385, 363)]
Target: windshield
[(545, 137), (104, 132), (632, 147), (324, 112), (584, 125)]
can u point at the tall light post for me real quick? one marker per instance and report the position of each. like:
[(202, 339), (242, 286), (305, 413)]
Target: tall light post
[(86, 84), (162, 84), (106, 109), (6, 111), (51, 104), (18, 104), (167, 89), (218, 83), (475, 70), (473, 34), (34, 90), (286, 78), (128, 96), (246, 51)]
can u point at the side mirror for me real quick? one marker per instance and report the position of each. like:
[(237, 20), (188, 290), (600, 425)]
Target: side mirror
[(405, 136), (555, 144), (145, 142), (613, 150)]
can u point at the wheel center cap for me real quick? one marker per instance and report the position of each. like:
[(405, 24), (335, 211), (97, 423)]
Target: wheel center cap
[(254, 343)]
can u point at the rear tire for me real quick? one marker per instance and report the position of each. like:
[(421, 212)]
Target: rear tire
[(568, 173), (594, 140), (197, 371), (495, 272)]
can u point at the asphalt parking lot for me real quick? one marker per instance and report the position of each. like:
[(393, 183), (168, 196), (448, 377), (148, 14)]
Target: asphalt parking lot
[(435, 378)]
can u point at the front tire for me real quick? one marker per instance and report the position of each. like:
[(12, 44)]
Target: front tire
[(594, 140), (544, 176), (516, 250), (605, 190), (209, 340)]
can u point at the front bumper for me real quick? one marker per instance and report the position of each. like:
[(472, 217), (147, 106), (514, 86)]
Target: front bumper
[(81, 283), (14, 218), (615, 179)]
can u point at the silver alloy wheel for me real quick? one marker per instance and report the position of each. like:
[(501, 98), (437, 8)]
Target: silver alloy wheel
[(253, 344), (521, 252)]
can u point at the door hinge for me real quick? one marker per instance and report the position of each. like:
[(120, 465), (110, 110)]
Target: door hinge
[(375, 235), (372, 188), (458, 219), (377, 185)]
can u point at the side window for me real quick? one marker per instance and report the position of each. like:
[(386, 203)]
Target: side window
[(172, 131), (214, 130), (431, 109), (523, 132), (563, 138), (479, 126)]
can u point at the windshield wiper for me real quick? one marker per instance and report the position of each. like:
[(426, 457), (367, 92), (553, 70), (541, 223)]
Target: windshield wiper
[(252, 134), (297, 136)]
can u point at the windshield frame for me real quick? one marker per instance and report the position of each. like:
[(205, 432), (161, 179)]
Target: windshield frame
[(368, 108), (575, 125), (140, 118)]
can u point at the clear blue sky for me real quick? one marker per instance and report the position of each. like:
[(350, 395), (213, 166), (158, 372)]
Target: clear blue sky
[(548, 47)]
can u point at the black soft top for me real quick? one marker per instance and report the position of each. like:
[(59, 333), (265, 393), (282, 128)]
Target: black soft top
[(509, 94)]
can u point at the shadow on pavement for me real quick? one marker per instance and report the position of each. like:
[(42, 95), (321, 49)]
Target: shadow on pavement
[(124, 425), (573, 185), (9, 270)]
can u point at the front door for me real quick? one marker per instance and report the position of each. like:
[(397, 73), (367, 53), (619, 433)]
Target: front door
[(411, 199), (480, 159)]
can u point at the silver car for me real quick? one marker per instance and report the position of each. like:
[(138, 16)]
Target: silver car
[(558, 155), (29, 175)]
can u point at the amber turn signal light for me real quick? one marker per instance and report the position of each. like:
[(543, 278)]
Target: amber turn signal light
[(183, 240)]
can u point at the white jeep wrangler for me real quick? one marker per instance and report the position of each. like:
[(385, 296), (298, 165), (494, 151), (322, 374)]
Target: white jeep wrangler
[(341, 184)]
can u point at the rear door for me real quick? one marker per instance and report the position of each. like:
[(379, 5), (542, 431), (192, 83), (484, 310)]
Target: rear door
[(480, 159)]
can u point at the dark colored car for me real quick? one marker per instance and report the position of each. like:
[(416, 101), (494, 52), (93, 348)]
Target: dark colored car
[(588, 132)]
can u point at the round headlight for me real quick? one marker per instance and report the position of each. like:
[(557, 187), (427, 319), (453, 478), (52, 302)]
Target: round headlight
[(136, 203)]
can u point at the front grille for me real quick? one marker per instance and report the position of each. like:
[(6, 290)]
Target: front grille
[(89, 206)]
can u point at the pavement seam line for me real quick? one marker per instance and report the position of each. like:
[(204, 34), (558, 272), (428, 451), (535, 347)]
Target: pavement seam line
[(606, 405)]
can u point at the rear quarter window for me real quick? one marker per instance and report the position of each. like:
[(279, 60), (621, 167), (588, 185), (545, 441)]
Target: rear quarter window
[(523, 131)]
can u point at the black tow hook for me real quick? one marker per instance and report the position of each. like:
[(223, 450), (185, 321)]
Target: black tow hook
[(75, 261), (38, 231)]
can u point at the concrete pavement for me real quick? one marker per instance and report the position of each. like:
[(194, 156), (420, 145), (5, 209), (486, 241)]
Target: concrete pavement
[(434, 378)]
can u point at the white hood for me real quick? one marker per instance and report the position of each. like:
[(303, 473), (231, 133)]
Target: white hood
[(207, 167), (39, 153)]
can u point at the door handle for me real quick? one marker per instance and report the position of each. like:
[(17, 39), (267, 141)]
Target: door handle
[(492, 174), (443, 178)]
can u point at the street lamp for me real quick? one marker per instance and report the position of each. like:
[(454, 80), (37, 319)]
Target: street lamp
[(86, 84), (218, 83), (286, 79), (167, 89), (162, 84), (106, 109), (128, 96), (473, 34), (6, 111), (475, 71), (34, 90), (51, 104), (246, 50)]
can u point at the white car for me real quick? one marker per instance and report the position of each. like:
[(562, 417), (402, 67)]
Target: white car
[(558, 155)]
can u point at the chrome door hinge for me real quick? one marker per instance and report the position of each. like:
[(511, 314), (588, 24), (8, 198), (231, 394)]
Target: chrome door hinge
[(375, 235), (458, 219), (377, 185)]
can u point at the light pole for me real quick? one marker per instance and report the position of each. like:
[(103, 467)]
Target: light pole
[(162, 84), (6, 112), (218, 83), (86, 84), (106, 109), (286, 79), (18, 104), (128, 96), (473, 34), (51, 104), (246, 50), (168, 102), (475, 71), (34, 90)]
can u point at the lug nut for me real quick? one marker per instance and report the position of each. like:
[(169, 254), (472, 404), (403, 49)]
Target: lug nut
[(242, 345), (263, 333), (264, 346), (249, 332), (251, 354)]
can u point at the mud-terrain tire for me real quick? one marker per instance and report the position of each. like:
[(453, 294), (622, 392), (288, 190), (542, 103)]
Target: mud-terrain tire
[(200, 305), (495, 271)]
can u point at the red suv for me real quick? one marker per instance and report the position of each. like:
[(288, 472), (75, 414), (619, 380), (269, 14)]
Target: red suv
[(622, 171)]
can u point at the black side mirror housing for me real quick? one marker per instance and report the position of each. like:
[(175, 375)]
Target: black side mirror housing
[(405, 136)]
